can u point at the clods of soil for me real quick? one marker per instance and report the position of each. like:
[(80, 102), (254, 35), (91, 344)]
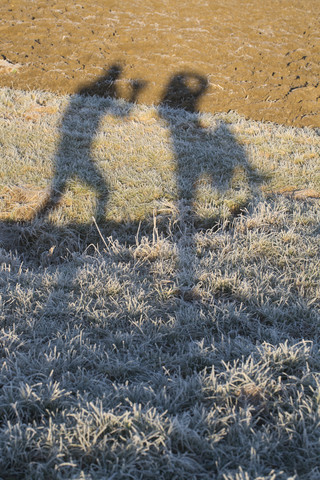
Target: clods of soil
[(260, 58)]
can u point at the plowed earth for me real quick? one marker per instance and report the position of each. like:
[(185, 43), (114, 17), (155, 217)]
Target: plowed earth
[(261, 58)]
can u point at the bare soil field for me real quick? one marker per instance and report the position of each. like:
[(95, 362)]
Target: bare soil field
[(261, 58)]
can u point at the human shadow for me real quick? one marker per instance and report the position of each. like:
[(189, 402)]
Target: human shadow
[(79, 125), (213, 161), (214, 164)]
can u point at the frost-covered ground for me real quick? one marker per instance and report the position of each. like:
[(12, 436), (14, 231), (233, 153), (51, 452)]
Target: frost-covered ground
[(182, 343)]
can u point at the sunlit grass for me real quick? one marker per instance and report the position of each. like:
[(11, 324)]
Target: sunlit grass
[(146, 158)]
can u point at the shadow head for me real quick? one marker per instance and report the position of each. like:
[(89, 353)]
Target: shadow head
[(104, 86), (185, 90), (107, 86)]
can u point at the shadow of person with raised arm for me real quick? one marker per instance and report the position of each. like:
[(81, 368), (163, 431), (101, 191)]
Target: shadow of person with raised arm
[(79, 125), (208, 159)]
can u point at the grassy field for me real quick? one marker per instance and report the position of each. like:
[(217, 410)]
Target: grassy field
[(160, 293)]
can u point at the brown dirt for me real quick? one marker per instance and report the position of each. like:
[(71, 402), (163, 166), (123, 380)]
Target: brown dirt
[(261, 57)]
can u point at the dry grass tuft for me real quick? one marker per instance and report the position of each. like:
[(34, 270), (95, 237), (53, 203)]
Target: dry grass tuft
[(22, 202)]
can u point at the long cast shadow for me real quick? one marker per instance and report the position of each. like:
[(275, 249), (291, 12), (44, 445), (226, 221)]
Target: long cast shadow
[(221, 156), (79, 126), (216, 164)]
